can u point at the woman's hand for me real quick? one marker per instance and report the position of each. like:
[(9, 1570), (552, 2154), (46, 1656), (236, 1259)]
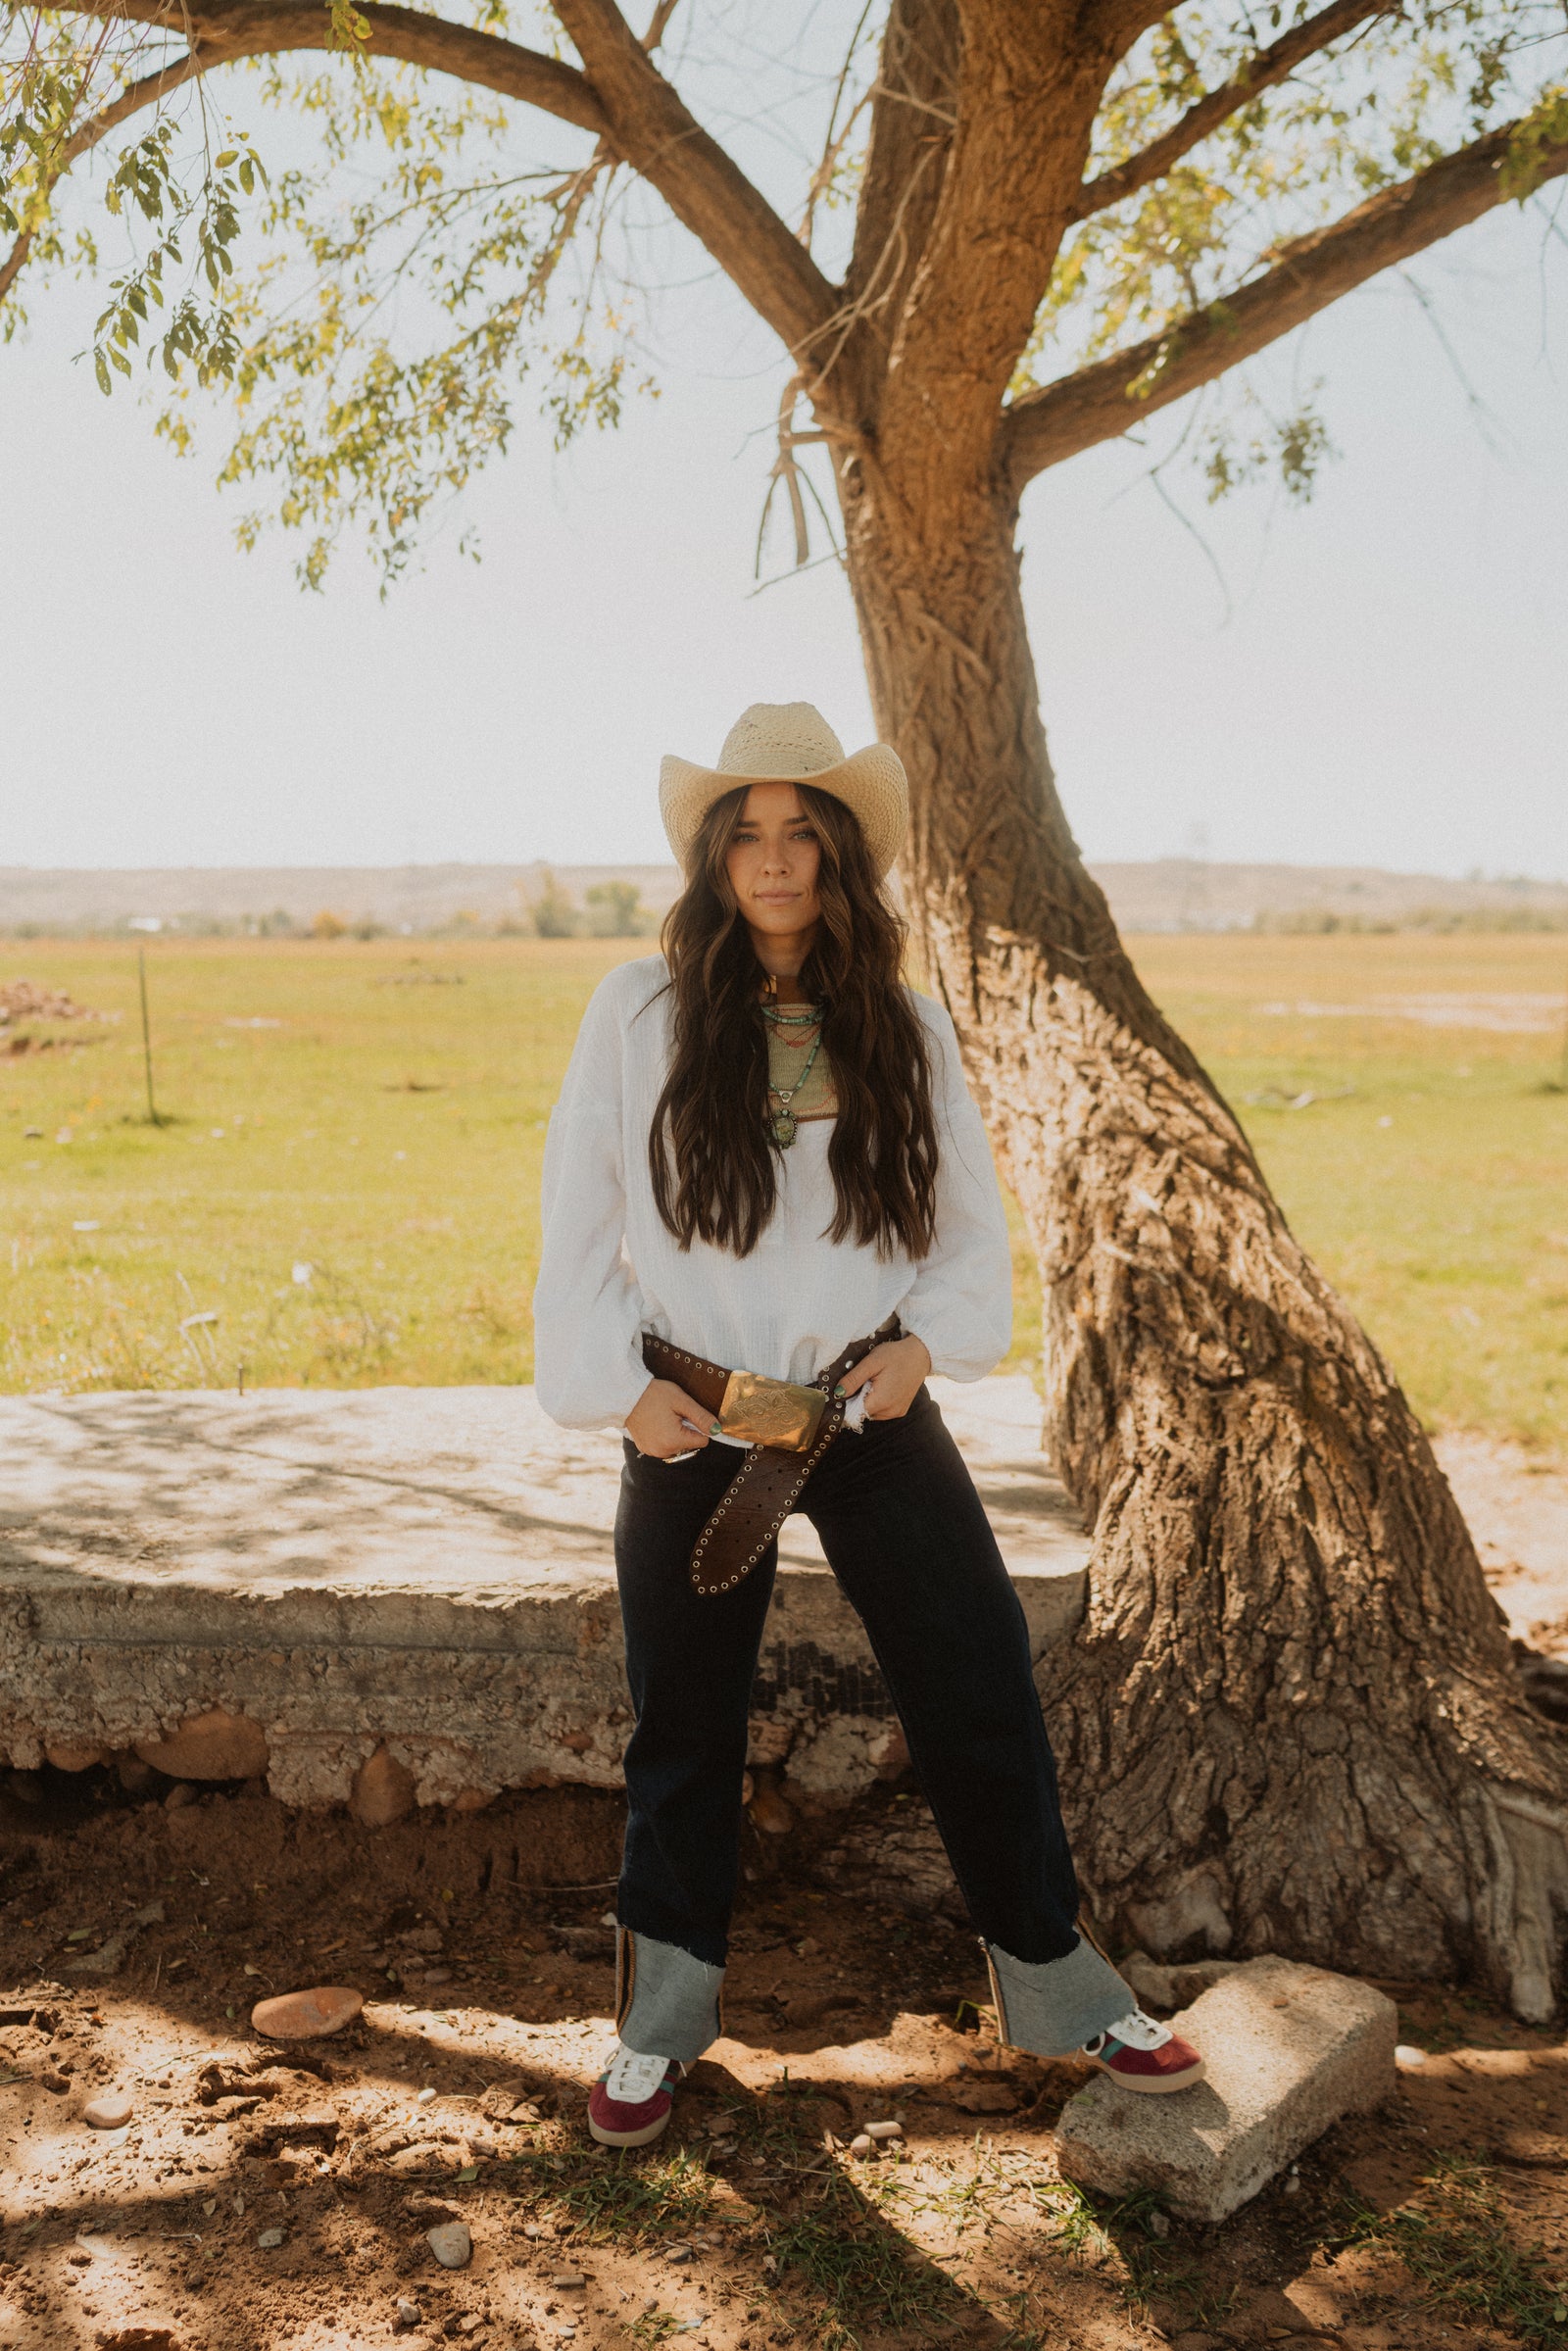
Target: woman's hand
[(897, 1366), (665, 1421)]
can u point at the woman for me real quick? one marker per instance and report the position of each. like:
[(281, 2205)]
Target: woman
[(764, 1162)]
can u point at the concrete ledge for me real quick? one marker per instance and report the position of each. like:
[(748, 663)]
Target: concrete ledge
[(1289, 2051), (428, 1573)]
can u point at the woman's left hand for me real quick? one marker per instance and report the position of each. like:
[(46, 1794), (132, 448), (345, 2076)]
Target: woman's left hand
[(897, 1366)]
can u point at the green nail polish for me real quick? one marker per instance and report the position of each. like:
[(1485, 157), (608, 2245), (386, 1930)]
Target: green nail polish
[(839, 1390), (714, 1430)]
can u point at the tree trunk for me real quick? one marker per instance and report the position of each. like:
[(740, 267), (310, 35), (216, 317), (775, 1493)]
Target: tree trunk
[(1290, 1721)]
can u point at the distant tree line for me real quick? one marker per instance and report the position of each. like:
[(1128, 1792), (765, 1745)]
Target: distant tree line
[(609, 911)]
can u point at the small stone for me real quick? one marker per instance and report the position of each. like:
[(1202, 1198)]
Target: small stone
[(383, 1790), (105, 1961), (179, 1795), (407, 2312), (768, 1811), (269, 2240), (569, 2280), (986, 2097), (67, 1757), (110, 2112), (214, 1746), (1158, 2223), (307, 2015), (451, 2244), (883, 2132), (151, 1914), (533, 2232), (1192, 1977), (1149, 1980), (135, 1777), (862, 2143), (1404, 2054)]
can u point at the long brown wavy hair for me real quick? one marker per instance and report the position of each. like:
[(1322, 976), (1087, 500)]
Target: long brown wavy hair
[(711, 1150)]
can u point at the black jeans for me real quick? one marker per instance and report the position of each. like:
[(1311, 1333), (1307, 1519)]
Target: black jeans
[(908, 1538)]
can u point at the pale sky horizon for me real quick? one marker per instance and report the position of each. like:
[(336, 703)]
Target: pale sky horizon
[(1386, 685)]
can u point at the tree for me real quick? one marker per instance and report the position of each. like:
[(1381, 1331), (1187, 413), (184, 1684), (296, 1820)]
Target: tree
[(612, 909), (554, 914), (1033, 225)]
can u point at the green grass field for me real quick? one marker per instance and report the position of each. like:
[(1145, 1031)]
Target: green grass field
[(346, 1190)]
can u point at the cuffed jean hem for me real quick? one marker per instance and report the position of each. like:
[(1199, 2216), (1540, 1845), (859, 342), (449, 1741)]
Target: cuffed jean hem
[(1052, 2006), (666, 2001)]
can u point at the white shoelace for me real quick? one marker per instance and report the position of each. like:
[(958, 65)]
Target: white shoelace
[(632, 2078), (1136, 2030)]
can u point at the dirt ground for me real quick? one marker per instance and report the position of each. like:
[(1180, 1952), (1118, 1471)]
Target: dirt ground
[(268, 2198)]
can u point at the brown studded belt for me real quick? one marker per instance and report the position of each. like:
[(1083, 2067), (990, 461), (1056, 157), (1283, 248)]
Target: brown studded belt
[(788, 1428)]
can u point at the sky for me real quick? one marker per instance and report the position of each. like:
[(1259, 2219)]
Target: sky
[(1381, 678)]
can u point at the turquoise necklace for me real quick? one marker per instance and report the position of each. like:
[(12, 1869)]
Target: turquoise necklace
[(784, 1123)]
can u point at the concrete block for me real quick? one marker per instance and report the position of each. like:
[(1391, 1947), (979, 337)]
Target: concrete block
[(1288, 2051), (292, 1580)]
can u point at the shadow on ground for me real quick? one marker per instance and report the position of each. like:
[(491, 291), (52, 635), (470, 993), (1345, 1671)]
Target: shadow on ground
[(281, 2198)]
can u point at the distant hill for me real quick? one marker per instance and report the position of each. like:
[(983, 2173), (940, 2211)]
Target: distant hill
[(1184, 894), (396, 898), (1170, 894)]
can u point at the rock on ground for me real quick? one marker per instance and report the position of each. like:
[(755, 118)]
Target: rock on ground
[(451, 2244), (308, 2015), (1288, 2051)]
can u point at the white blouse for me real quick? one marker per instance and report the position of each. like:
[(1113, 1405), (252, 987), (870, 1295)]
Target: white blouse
[(611, 1269)]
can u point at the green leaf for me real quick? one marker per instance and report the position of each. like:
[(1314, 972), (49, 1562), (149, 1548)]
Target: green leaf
[(230, 155)]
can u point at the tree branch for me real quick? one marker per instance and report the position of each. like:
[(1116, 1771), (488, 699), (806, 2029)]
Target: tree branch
[(1115, 25), (131, 100), (1206, 114), (221, 30), (913, 115), (1103, 400), (651, 127), (627, 105)]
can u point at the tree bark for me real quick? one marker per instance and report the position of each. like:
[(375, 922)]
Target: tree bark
[(1290, 1721)]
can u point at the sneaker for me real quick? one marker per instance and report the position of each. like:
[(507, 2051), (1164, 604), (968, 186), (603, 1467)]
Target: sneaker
[(1140, 2053), (629, 2104)]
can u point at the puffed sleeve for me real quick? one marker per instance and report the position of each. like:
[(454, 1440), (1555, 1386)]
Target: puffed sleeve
[(960, 1300), (588, 1310)]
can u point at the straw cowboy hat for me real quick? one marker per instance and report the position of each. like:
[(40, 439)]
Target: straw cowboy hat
[(790, 741)]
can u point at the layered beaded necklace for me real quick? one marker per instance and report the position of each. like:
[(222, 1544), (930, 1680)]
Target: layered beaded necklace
[(783, 1121)]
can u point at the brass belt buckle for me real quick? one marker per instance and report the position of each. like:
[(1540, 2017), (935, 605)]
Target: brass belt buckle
[(773, 1412)]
